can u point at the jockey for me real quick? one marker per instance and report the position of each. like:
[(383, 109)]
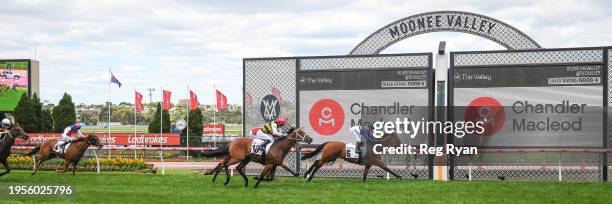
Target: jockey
[(5, 126), (67, 136), (271, 130), (356, 132)]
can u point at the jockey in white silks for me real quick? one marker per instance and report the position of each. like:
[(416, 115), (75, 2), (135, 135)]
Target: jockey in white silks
[(69, 135)]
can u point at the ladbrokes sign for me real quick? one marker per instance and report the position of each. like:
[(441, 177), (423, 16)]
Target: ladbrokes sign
[(113, 139)]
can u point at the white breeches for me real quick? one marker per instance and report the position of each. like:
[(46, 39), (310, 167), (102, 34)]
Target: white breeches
[(355, 133), (263, 136)]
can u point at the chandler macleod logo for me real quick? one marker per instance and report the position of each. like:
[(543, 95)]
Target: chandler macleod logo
[(489, 111), (326, 117)]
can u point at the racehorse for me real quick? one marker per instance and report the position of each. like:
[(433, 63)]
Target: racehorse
[(7, 140), (333, 150), (72, 155), (239, 150)]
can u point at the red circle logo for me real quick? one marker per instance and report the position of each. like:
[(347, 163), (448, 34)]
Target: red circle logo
[(489, 111), (326, 117)]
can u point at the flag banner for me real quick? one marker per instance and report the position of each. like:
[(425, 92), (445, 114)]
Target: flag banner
[(166, 102), (277, 93), (115, 80), (221, 101), (138, 101), (193, 100)]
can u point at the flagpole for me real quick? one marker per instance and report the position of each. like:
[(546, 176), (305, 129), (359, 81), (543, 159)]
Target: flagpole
[(161, 130), (215, 117), (134, 136), (110, 75), (188, 113)]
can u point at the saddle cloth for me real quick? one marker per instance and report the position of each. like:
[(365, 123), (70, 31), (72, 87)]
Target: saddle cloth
[(58, 149), (257, 147), (351, 151)]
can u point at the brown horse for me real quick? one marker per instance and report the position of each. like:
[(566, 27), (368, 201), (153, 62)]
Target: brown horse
[(238, 151), (73, 154), (7, 140), (333, 150)]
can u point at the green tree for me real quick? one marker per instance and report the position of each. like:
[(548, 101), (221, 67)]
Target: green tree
[(154, 124), (24, 114), (64, 113), (195, 128), (47, 121), (37, 110)]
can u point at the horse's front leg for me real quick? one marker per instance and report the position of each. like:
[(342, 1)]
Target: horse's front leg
[(6, 166)]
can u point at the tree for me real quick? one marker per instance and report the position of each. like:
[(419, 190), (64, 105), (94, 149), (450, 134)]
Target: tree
[(37, 110), (154, 124), (47, 121), (24, 114), (195, 128), (64, 113)]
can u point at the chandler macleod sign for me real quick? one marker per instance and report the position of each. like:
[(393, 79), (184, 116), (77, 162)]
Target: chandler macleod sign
[(439, 21)]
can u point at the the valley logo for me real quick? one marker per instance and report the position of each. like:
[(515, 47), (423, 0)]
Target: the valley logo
[(269, 108)]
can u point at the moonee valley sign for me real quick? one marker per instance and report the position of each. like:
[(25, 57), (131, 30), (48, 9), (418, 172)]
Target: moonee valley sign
[(438, 21), (445, 21)]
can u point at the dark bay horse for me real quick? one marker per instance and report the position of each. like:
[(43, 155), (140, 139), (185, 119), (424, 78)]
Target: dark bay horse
[(7, 141), (239, 151), (72, 155), (332, 150)]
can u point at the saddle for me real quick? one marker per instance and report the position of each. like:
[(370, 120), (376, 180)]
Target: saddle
[(352, 153), (257, 147), (59, 150)]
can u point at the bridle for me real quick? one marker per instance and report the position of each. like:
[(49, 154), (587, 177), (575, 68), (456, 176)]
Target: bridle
[(11, 129), (300, 137)]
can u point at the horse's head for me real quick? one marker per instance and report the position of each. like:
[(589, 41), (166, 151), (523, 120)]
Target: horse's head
[(299, 135), (17, 131), (94, 140)]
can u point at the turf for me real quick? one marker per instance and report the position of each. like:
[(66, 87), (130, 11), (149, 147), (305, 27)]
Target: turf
[(190, 187), (10, 98)]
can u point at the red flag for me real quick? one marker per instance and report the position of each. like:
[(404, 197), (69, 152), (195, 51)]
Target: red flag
[(277, 92), (249, 100), (193, 100), (166, 102), (221, 101), (138, 102)]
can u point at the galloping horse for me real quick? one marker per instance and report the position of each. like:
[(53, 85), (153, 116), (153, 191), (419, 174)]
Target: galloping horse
[(7, 140), (239, 151), (72, 155), (333, 150)]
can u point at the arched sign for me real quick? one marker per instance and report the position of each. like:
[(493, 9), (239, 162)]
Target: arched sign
[(450, 21)]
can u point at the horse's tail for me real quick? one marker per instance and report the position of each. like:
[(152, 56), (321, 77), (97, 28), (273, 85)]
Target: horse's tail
[(219, 152), (33, 151), (313, 153)]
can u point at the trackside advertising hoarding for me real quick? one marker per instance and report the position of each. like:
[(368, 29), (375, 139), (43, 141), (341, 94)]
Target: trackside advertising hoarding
[(331, 102), (531, 106), (210, 129), (114, 139)]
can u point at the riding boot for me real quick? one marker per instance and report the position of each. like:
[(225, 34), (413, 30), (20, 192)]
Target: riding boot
[(263, 154)]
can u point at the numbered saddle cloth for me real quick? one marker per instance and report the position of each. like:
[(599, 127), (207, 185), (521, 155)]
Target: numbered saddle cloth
[(351, 151), (258, 148), (58, 147)]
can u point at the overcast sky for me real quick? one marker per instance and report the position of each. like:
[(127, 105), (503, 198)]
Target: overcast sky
[(151, 43)]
